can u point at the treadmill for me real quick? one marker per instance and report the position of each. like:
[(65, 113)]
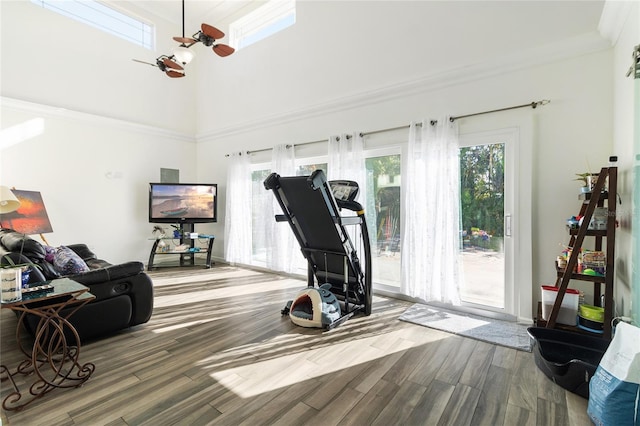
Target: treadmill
[(319, 213)]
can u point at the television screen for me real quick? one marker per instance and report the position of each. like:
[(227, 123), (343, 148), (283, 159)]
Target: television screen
[(182, 202)]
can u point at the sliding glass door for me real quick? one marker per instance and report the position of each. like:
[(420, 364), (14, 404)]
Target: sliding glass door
[(493, 214), (486, 203), (383, 216)]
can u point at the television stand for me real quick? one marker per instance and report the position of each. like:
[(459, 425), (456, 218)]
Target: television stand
[(183, 246)]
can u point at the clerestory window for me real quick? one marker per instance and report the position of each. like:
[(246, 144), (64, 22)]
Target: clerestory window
[(266, 20), (105, 18)]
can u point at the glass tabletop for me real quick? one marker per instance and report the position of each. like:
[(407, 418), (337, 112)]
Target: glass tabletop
[(63, 289)]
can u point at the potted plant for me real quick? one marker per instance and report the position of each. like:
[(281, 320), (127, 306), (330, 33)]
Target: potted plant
[(177, 231), (586, 180), (158, 232)]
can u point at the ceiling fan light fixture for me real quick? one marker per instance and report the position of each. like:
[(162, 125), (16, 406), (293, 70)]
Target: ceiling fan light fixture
[(183, 55)]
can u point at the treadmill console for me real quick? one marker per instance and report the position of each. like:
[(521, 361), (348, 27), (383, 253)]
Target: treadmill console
[(344, 190), (345, 193)]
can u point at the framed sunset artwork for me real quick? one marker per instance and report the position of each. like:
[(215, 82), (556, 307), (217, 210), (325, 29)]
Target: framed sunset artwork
[(31, 217)]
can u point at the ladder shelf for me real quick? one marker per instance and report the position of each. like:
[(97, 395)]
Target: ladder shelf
[(608, 175)]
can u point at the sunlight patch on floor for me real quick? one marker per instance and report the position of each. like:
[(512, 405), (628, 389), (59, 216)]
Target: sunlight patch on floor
[(235, 291), (181, 325), (258, 377), (464, 324), (206, 275)]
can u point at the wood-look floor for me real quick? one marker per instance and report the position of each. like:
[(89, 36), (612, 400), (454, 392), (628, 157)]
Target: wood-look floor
[(217, 351)]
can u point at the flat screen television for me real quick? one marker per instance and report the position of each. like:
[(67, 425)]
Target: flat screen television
[(183, 202)]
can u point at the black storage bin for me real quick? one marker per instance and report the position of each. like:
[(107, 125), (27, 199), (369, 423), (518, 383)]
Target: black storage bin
[(569, 359)]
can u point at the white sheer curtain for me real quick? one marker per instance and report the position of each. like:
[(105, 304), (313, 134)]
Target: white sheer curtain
[(237, 224), (281, 247), (346, 161), (431, 266)]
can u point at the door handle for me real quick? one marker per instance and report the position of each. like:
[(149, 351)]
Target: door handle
[(507, 225)]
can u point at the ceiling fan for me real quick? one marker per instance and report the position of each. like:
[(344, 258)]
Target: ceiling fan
[(173, 65), (167, 65), (207, 35)]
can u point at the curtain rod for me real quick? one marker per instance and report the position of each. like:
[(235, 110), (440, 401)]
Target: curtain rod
[(533, 105), (452, 119), (288, 146)]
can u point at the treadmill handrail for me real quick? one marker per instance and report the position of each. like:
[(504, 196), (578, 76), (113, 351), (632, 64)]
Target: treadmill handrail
[(316, 250), (349, 220), (342, 220)]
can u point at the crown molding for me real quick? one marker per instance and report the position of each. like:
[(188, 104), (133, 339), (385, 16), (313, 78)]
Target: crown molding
[(554, 52), (614, 15), (64, 113), (573, 47)]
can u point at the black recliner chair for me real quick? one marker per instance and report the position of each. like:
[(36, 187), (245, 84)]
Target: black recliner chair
[(124, 292)]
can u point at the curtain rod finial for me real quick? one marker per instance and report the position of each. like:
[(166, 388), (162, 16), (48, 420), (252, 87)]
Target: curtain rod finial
[(541, 103)]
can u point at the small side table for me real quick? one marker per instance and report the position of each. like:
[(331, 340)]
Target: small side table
[(187, 256), (56, 347)]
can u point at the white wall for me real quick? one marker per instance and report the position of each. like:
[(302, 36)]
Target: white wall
[(93, 175), (625, 40), (110, 124), (340, 49)]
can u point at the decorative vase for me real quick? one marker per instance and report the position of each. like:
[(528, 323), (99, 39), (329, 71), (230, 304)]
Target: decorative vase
[(162, 247), (25, 277), (11, 279)]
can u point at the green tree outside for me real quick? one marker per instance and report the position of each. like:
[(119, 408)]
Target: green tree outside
[(482, 191)]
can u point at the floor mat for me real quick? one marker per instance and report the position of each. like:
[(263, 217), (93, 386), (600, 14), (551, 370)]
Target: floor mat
[(503, 333)]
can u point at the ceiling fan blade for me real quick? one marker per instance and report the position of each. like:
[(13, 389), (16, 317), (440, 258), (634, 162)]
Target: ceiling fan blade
[(175, 74), (171, 64), (212, 32), (144, 62), (223, 50), (185, 40)]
